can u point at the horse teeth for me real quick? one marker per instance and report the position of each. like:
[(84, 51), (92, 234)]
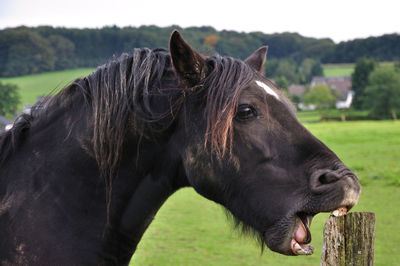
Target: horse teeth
[(340, 211), (305, 250), (309, 220)]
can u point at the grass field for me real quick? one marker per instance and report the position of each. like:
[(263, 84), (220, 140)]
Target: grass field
[(337, 70), (190, 230), (332, 114), (32, 86)]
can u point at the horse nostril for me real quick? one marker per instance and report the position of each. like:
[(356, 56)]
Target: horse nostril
[(324, 179), (328, 177)]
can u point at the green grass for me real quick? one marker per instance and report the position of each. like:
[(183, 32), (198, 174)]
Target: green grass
[(32, 86), (331, 115), (338, 70), (309, 116), (190, 230), (370, 148)]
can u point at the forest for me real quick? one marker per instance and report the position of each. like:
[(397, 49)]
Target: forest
[(28, 50)]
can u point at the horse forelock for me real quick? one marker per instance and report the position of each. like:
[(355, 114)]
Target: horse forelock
[(224, 84)]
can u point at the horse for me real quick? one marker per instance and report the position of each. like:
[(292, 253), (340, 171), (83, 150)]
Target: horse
[(82, 176)]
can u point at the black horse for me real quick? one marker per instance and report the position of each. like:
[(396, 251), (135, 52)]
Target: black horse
[(82, 177)]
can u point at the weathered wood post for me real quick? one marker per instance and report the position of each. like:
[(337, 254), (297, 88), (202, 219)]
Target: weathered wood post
[(349, 239)]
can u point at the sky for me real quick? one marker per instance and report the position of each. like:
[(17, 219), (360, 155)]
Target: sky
[(339, 20)]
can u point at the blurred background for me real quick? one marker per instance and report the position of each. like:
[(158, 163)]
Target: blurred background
[(339, 63)]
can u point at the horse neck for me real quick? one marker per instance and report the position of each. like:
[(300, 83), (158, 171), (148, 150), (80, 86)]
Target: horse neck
[(161, 174), (131, 221), (140, 189), (61, 184)]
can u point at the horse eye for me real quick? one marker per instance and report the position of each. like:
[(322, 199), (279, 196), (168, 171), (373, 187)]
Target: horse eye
[(246, 111)]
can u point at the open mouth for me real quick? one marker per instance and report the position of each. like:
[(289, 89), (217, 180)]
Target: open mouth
[(301, 239), (300, 243)]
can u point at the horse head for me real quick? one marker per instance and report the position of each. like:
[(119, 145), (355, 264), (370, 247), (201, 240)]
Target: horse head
[(242, 147)]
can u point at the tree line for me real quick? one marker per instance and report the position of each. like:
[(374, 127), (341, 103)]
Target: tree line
[(377, 88), (27, 50)]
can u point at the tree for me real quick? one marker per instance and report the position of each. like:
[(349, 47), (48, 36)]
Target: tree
[(9, 99), (305, 70), (397, 66), (270, 67), (64, 52), (382, 96), (287, 69), (359, 80), (382, 48), (308, 69), (321, 96), (317, 69), (25, 52), (211, 40), (282, 82)]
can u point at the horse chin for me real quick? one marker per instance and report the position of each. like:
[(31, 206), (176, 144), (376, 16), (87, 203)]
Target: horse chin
[(291, 236)]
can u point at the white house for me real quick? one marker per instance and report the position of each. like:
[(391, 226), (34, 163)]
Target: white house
[(342, 86), (347, 103)]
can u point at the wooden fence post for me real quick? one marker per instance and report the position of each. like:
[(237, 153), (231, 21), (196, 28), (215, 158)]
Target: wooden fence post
[(349, 239)]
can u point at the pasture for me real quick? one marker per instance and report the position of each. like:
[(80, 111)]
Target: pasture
[(190, 230), (32, 86), (337, 70)]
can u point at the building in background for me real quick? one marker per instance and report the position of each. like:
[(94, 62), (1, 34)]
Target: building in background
[(341, 87), (5, 124)]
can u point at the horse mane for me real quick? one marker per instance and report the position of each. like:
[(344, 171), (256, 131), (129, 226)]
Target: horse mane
[(124, 94), (121, 94), (11, 138)]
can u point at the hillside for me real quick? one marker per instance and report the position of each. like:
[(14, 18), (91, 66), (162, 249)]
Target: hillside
[(28, 50), (35, 85)]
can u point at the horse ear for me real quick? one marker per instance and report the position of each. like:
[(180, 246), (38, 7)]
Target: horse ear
[(257, 59), (190, 65)]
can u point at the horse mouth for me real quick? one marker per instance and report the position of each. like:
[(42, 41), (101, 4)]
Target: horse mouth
[(301, 237)]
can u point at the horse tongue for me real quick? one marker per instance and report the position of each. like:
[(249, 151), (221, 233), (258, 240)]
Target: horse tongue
[(301, 234), (301, 237)]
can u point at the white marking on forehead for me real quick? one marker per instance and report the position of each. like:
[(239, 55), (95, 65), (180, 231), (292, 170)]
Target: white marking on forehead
[(267, 89)]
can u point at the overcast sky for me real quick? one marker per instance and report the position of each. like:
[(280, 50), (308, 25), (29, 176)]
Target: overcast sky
[(339, 19)]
